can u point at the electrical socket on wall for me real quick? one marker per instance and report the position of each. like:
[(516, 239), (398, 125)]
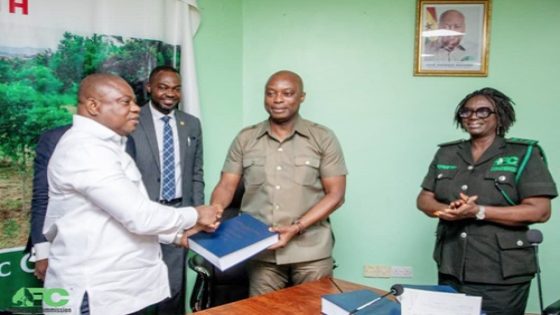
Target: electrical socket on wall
[(384, 271), (377, 271), (401, 272)]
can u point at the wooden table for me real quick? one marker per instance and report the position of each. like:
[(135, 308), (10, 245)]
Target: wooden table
[(300, 299)]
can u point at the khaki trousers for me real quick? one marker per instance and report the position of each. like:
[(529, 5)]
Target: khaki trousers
[(266, 277)]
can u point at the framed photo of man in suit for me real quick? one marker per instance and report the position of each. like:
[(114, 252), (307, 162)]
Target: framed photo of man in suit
[(452, 38)]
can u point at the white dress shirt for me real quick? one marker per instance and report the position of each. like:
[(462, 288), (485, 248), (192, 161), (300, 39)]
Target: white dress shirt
[(102, 226), (158, 126)]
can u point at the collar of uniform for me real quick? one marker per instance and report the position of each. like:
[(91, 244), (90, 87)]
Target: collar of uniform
[(92, 127), (300, 126), (158, 115), (493, 150)]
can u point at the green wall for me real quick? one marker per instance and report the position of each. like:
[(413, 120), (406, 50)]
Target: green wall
[(219, 58), (356, 58)]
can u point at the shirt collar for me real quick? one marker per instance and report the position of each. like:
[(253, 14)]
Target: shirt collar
[(96, 129), (300, 127), (158, 115), (493, 150)]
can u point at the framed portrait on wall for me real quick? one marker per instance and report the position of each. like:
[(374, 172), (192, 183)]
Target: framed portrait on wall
[(452, 38)]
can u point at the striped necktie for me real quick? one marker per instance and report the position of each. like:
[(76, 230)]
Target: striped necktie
[(168, 182)]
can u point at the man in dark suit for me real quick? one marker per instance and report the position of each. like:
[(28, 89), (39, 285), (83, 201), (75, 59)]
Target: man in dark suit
[(169, 155), (45, 147)]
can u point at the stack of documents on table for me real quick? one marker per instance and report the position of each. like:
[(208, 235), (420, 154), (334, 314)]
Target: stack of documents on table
[(435, 288), (236, 240), (420, 302), (346, 302)]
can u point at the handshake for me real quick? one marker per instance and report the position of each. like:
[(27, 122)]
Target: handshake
[(209, 217), (208, 221)]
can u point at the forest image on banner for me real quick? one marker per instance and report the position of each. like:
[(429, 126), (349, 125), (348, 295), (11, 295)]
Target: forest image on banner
[(38, 90)]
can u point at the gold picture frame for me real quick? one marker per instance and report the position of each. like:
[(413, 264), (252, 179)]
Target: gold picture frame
[(452, 38)]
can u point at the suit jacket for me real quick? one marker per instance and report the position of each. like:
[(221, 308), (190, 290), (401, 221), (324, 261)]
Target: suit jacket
[(40, 198), (190, 148)]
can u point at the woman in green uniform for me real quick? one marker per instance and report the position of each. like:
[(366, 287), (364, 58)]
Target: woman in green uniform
[(486, 191)]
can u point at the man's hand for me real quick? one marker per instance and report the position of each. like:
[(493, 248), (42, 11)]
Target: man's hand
[(188, 233), (285, 234), (219, 207), (208, 217), (208, 221), (41, 268)]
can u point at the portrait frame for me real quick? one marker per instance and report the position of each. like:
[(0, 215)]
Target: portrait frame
[(452, 38)]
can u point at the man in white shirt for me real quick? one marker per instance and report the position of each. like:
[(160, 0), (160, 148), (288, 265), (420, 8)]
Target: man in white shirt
[(104, 230)]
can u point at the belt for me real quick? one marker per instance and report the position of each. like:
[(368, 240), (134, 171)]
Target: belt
[(171, 202)]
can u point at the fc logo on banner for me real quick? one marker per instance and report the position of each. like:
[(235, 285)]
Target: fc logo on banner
[(53, 297)]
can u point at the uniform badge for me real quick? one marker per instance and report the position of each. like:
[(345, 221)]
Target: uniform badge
[(505, 164)]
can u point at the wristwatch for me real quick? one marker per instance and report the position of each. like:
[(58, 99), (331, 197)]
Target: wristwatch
[(178, 237), (481, 214), (299, 226)]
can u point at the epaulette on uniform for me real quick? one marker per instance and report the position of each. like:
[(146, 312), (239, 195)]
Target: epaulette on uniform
[(445, 144), (249, 128), (522, 141), (530, 145)]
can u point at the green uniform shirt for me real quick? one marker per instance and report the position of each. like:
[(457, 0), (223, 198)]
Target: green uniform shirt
[(481, 251), (283, 181)]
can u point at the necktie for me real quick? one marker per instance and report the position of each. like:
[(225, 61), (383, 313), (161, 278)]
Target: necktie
[(168, 182)]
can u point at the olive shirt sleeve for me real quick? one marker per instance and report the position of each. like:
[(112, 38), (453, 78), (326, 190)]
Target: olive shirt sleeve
[(234, 158), (536, 179), (332, 162)]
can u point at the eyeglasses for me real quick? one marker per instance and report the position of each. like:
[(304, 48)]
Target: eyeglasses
[(481, 112)]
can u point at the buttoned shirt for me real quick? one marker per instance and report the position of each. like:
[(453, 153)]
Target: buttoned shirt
[(102, 226), (158, 126), (283, 181), (482, 251)]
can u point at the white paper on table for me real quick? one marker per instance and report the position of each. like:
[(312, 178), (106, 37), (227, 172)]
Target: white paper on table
[(421, 302)]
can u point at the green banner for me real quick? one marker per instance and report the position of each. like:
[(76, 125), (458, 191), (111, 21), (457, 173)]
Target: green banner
[(16, 272)]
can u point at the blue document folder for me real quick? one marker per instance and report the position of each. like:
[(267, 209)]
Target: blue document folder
[(236, 240), (344, 303)]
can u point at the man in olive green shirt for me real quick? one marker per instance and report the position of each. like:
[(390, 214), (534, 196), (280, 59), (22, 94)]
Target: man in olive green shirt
[(295, 176)]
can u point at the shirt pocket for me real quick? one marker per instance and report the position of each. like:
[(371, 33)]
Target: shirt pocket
[(517, 256), (253, 171), (505, 184), (192, 143), (306, 170), (445, 183)]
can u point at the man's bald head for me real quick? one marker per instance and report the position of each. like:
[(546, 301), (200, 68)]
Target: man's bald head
[(452, 15), (287, 74), (95, 84), (454, 21), (110, 101)]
